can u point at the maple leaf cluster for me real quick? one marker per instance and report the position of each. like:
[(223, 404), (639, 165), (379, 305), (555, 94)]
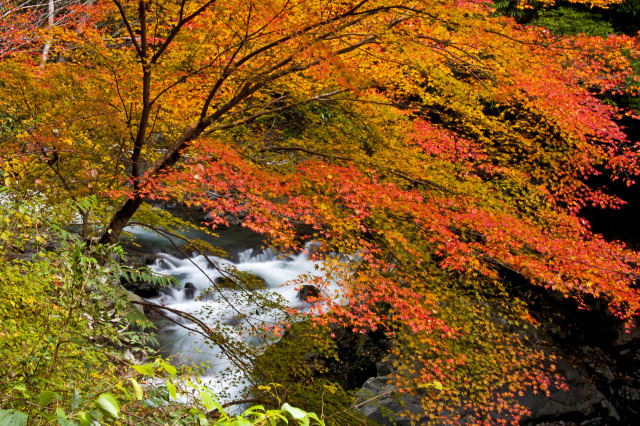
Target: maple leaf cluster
[(434, 146)]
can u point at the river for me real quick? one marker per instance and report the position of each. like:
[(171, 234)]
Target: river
[(244, 314)]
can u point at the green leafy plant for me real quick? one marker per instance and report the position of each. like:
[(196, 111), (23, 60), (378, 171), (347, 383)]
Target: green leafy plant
[(568, 21), (65, 323)]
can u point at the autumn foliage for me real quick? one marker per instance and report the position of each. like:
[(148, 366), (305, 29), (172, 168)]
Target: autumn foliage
[(434, 144)]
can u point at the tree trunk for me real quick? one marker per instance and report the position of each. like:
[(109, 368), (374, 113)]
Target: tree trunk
[(47, 46), (120, 220)]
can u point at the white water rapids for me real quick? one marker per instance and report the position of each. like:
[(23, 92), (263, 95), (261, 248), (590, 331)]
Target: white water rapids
[(241, 314)]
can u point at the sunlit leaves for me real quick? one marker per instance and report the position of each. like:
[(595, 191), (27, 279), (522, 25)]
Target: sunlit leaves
[(426, 147)]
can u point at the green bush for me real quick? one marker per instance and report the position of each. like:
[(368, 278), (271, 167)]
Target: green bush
[(64, 320), (66, 325), (569, 21)]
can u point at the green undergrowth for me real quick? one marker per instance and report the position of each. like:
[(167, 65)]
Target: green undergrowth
[(73, 349), (303, 363)]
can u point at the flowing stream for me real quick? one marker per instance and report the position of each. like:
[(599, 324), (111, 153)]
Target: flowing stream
[(242, 312)]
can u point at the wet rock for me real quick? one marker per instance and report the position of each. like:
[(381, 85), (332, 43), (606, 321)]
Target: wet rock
[(581, 401), (598, 361), (141, 288), (189, 291), (225, 282), (245, 281), (379, 401), (162, 263), (626, 336), (140, 321), (145, 289), (308, 292), (232, 220), (146, 259), (253, 282), (135, 262), (235, 321), (385, 367), (159, 320), (600, 364), (53, 246)]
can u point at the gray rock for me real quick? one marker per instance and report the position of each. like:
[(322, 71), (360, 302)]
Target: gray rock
[(164, 264), (626, 337), (53, 246), (584, 403), (145, 289), (385, 367), (582, 399), (308, 291), (232, 220), (235, 320), (379, 401), (189, 291), (598, 361)]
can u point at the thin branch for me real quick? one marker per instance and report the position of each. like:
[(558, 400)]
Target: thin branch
[(176, 29), (127, 24)]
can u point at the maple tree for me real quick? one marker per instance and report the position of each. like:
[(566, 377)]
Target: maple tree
[(439, 143)]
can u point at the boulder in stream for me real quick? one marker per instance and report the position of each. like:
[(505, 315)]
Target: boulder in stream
[(145, 289), (189, 291), (307, 292), (243, 281)]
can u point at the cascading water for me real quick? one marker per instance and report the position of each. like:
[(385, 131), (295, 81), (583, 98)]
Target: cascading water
[(242, 313)]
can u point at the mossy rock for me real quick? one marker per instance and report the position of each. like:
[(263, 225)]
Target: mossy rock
[(241, 281), (302, 361)]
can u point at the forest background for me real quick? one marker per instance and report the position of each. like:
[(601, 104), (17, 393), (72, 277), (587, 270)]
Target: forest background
[(460, 149)]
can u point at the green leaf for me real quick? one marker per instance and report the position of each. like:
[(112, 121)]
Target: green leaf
[(85, 419), (60, 413), (49, 416), (146, 370), (169, 368), (137, 389), (46, 397), (253, 410), (64, 422), (13, 418), (109, 403), (274, 415), (21, 388), (296, 413), (216, 403), (172, 390), (315, 417), (300, 415), (124, 390), (96, 414), (207, 400), (75, 399)]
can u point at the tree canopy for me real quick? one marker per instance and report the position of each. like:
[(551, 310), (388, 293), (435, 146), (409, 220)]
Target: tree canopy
[(436, 144)]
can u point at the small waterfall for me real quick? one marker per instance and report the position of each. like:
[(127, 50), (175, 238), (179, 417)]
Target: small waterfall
[(231, 297)]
